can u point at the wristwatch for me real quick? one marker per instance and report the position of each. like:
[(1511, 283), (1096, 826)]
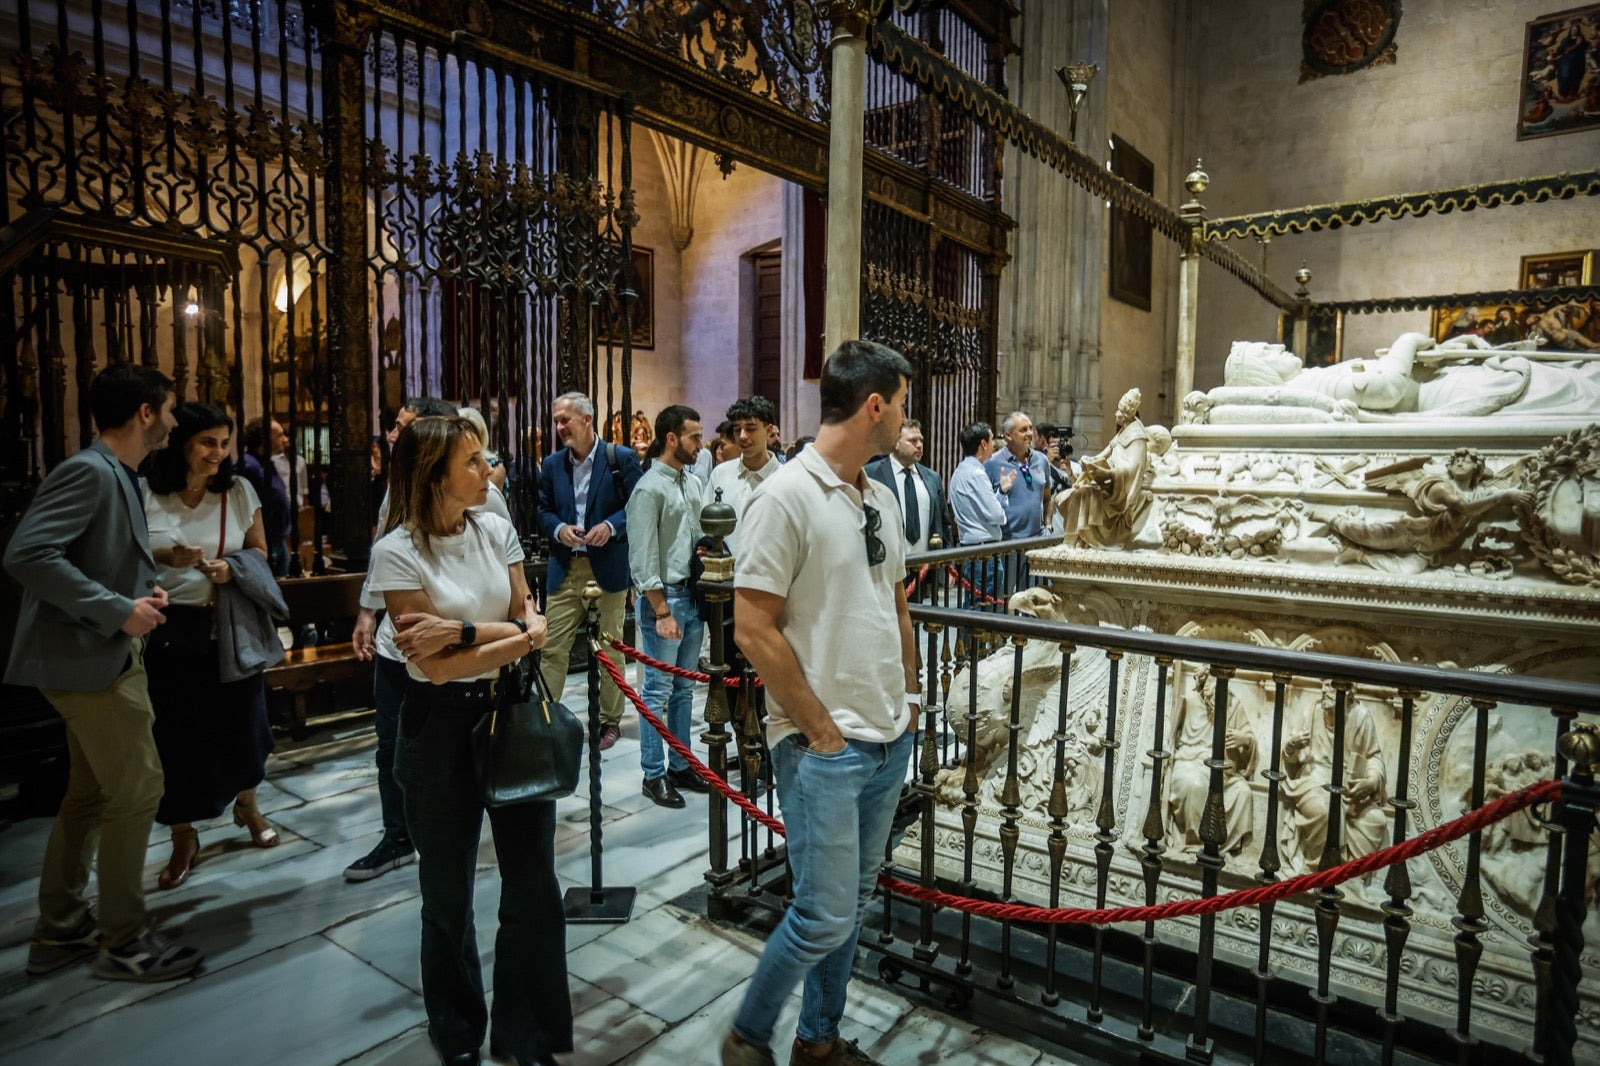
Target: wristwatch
[(469, 635), (520, 624)]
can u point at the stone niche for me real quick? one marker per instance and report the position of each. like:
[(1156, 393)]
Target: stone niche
[(1372, 540)]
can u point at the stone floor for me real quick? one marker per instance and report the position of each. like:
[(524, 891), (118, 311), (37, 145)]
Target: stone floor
[(303, 968)]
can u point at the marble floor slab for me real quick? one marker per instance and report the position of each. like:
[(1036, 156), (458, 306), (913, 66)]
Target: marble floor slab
[(303, 967)]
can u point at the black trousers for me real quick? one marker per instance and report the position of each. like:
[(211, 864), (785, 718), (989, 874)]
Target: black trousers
[(433, 764)]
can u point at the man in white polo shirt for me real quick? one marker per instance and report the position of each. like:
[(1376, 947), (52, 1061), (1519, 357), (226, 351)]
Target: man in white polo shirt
[(748, 418), (820, 610)]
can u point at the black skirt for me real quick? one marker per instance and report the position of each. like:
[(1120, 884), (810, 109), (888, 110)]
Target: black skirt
[(213, 737)]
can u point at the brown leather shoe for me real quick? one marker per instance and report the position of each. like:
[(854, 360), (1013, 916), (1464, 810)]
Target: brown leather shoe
[(609, 735), (844, 1053)]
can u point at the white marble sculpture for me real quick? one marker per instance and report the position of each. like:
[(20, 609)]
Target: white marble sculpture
[(1108, 502), (1415, 379)]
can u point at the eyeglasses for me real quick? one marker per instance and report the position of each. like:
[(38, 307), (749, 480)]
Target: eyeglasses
[(875, 549), (1027, 476)]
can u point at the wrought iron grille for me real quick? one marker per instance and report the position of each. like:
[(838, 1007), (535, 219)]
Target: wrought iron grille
[(168, 198), (930, 300)]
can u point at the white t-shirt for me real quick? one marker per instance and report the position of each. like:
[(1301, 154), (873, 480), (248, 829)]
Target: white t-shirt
[(465, 575), (805, 538), (737, 482), (372, 599), (175, 524)]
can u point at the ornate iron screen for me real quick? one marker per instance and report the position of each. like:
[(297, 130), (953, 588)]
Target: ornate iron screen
[(171, 194)]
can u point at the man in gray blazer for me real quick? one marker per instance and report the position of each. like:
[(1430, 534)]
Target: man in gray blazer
[(82, 557)]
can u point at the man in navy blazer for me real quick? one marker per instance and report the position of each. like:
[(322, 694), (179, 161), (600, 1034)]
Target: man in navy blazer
[(82, 557), (583, 489), (929, 516)]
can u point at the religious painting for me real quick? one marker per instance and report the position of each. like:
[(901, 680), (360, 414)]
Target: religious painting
[(1560, 90), (1131, 236), (1570, 325), (1324, 337), (1557, 270), (1344, 36), (608, 316)]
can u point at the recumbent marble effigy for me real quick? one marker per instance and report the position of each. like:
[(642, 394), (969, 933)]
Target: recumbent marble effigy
[(1437, 504)]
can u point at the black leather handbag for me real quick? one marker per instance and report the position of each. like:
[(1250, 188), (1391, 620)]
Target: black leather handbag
[(529, 747)]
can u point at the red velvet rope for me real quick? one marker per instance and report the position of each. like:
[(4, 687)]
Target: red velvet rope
[(979, 593), (1471, 822), (676, 671), (911, 586)]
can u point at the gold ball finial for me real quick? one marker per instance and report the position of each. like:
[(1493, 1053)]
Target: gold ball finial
[(1197, 180), (1580, 746), (592, 593), (1303, 276)]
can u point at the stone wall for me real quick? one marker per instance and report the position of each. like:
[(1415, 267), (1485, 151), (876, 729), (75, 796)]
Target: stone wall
[(1443, 115)]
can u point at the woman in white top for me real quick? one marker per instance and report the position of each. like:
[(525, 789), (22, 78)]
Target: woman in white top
[(213, 736), (452, 580)]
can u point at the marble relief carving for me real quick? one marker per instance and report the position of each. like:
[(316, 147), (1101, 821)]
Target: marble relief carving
[(1336, 520)]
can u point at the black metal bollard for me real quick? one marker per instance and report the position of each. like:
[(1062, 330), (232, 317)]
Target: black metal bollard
[(597, 903), (1580, 798)]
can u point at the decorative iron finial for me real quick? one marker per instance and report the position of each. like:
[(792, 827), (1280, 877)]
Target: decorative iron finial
[(1197, 180), (1580, 746), (717, 518)]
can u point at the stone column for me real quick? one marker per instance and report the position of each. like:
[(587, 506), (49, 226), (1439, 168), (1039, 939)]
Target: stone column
[(345, 34), (1194, 213), (846, 136)]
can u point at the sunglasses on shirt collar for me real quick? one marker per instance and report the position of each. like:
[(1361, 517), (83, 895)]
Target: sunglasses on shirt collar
[(876, 552)]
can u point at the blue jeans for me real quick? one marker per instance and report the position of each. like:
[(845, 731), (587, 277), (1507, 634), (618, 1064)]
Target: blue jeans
[(988, 576), (662, 690), (388, 692), (834, 874)]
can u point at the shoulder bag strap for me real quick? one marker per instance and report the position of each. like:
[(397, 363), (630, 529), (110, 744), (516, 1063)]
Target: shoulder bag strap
[(222, 537)]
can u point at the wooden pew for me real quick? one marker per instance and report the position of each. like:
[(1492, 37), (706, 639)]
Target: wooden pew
[(329, 602)]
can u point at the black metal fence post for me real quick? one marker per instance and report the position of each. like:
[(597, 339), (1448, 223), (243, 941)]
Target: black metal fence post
[(1580, 798), (597, 903)]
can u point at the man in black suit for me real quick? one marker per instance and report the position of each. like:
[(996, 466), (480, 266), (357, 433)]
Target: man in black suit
[(917, 487), (583, 489)]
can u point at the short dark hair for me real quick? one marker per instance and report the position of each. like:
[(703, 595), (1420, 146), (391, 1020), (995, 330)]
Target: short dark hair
[(671, 419), (855, 371), (974, 435), (757, 407), (255, 437), (168, 469), (725, 431), (429, 407), (118, 391)]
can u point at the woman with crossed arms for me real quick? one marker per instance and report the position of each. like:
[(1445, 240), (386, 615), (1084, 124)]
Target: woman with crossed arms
[(453, 582)]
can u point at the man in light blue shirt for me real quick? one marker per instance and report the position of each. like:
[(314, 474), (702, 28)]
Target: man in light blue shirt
[(1028, 499), (663, 526), (975, 501)]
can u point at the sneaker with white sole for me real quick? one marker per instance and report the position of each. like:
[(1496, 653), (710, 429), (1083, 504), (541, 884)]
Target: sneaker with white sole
[(49, 954), (390, 854), (145, 958)]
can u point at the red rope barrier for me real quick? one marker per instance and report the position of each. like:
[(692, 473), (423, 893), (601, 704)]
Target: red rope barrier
[(911, 586), (668, 668), (682, 749), (970, 587), (1471, 822)]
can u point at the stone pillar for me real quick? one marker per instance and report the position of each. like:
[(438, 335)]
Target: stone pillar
[(1049, 337), (345, 34), (1302, 313), (846, 136), (1194, 213)]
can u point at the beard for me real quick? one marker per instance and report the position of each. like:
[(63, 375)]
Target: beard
[(683, 455)]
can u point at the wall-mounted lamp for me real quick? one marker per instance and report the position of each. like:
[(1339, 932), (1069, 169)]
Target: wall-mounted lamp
[(1076, 77), (191, 308)]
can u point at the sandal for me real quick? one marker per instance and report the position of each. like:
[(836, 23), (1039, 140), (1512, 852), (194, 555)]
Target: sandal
[(249, 816), (185, 857)]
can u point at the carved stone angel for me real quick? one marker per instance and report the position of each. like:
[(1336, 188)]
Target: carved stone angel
[(1449, 502)]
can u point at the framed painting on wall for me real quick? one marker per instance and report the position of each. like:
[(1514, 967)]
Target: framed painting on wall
[(1131, 236), (1556, 270), (608, 315), (1324, 338), (1560, 93), (1497, 324)]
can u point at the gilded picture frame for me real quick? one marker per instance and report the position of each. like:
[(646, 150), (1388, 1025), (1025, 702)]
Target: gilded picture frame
[(1132, 239), (607, 318), (1324, 338), (1556, 270), (1558, 93)]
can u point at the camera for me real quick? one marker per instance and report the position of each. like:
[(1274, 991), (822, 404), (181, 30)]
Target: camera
[(1049, 432)]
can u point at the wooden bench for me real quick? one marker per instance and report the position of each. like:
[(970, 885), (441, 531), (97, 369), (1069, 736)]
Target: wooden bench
[(330, 603)]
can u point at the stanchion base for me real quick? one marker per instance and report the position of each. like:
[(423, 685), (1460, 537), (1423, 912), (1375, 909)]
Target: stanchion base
[(611, 904)]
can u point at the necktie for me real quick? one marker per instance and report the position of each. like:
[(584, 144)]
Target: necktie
[(913, 516)]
